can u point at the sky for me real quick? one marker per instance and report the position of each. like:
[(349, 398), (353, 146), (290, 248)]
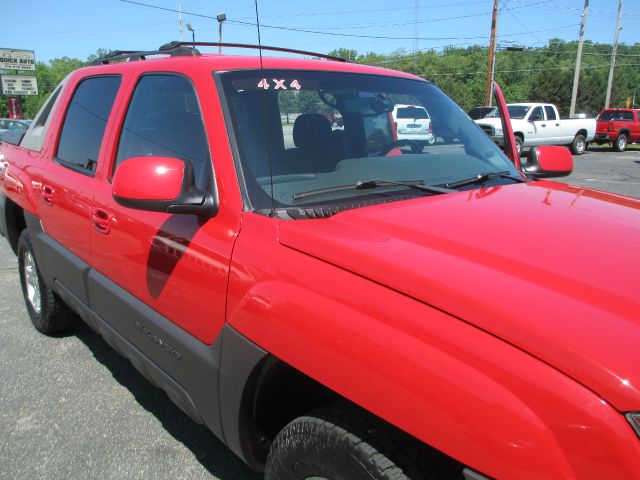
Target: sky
[(77, 28)]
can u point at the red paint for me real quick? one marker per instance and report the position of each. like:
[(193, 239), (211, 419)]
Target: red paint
[(15, 108), (149, 178), (555, 159), (608, 130)]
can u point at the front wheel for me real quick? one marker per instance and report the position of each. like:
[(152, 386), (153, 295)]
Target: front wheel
[(519, 142), (579, 145), (48, 313), (341, 444), (621, 143)]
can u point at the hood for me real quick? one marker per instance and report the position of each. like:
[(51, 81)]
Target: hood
[(550, 268)]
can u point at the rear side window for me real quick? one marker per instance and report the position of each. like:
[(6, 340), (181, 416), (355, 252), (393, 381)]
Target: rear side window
[(164, 120), (551, 113), (85, 122)]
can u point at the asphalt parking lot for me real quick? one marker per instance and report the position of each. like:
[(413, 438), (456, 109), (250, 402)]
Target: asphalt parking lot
[(73, 408)]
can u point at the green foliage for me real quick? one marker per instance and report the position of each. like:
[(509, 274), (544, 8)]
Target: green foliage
[(535, 74)]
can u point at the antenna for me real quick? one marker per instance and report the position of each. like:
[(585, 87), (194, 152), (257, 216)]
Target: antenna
[(259, 41)]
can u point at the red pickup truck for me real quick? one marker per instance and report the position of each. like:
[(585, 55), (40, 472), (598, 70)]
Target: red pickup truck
[(331, 301), (618, 126)]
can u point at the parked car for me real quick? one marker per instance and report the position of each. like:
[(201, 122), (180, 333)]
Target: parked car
[(7, 124), (537, 124), (348, 305), (476, 113), (619, 127), (413, 123)]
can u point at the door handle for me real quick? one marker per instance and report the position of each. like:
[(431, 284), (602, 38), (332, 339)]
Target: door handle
[(557, 124), (543, 124), (47, 195), (101, 220)]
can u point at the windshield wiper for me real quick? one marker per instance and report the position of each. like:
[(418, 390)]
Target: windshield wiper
[(482, 178), (368, 184)]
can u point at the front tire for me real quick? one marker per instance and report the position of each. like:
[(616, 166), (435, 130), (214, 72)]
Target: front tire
[(620, 144), (346, 444), (48, 313), (579, 145), (519, 142)]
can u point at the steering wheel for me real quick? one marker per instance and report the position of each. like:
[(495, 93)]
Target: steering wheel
[(415, 146)]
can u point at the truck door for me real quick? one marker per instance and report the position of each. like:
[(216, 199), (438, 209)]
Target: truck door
[(553, 128), (176, 264), (538, 127), (69, 180)]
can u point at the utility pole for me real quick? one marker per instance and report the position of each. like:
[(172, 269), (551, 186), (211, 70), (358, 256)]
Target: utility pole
[(576, 75), (492, 53), (180, 20), (613, 55), (415, 26)]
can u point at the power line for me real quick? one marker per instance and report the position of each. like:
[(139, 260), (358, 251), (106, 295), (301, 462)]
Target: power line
[(336, 34)]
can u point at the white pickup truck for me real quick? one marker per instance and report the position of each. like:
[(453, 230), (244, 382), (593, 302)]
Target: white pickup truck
[(540, 124)]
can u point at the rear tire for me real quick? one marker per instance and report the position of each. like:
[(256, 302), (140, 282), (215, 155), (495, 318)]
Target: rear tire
[(579, 145), (344, 443), (620, 144), (48, 313)]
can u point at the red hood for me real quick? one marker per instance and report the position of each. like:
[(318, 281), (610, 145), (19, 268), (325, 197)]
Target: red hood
[(550, 268)]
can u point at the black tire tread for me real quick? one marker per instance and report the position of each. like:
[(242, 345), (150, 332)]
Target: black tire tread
[(55, 316), (393, 454), (614, 145)]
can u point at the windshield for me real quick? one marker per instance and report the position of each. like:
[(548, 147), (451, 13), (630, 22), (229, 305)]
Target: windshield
[(515, 111), (300, 131)]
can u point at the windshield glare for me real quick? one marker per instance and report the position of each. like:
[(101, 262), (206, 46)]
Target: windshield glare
[(298, 131), (517, 112)]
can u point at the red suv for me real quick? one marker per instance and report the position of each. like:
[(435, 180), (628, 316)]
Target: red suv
[(618, 126), (332, 301)]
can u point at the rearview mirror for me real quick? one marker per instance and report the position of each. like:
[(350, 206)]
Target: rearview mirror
[(548, 162), (161, 184)]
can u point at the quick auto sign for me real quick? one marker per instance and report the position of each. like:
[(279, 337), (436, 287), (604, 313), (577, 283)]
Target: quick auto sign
[(11, 59)]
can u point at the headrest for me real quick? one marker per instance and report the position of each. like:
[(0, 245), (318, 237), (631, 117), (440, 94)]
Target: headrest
[(311, 130)]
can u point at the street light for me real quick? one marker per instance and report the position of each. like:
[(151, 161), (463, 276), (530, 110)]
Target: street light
[(193, 32), (221, 18)]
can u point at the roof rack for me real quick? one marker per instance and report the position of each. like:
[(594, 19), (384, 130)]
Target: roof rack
[(131, 55), (173, 45), (188, 49)]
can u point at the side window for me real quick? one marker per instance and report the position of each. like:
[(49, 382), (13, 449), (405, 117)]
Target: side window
[(34, 137), (378, 132), (164, 120), (627, 116), (85, 122), (536, 115), (551, 114)]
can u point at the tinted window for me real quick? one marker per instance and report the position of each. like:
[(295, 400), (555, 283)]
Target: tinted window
[(536, 115), (412, 112), (85, 122), (608, 115), (309, 131), (551, 114), (164, 120)]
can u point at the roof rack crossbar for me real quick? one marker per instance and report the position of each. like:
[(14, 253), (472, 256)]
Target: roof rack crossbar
[(188, 49), (257, 47), (132, 55)]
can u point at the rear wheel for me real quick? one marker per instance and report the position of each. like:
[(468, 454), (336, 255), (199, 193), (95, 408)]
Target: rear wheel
[(579, 145), (48, 313), (346, 444), (621, 143)]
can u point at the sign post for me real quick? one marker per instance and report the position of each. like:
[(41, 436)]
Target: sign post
[(15, 108)]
